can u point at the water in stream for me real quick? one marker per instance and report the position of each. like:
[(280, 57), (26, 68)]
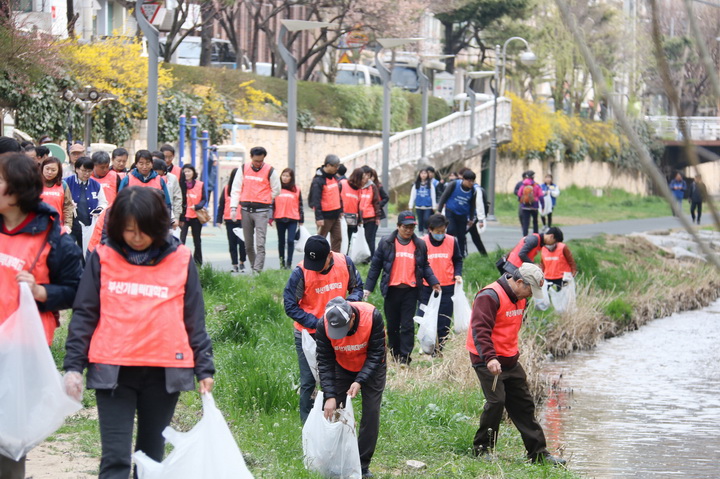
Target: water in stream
[(645, 404)]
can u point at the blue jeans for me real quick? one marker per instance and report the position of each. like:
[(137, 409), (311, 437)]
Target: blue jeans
[(423, 214), (307, 380), (289, 227)]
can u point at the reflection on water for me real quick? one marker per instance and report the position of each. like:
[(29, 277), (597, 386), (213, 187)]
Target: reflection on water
[(646, 404)]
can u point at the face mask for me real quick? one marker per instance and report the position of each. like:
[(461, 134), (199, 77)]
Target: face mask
[(438, 236)]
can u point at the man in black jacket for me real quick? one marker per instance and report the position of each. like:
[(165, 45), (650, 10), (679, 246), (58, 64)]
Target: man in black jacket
[(402, 257), (351, 356), (324, 198)]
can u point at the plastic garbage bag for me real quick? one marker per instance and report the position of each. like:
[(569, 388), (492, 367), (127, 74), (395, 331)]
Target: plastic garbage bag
[(461, 309), (331, 448), (427, 332), (302, 236), (239, 233), (564, 300), (87, 232), (32, 395), (345, 239), (310, 350), (175, 232), (360, 250), (207, 451), (543, 303)]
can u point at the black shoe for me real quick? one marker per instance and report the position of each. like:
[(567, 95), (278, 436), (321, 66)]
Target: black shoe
[(366, 472), (481, 452), (282, 263), (548, 459), (242, 267)]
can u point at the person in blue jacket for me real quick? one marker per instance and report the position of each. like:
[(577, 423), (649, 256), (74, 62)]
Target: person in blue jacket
[(88, 195), (423, 199), (678, 187), (462, 205)]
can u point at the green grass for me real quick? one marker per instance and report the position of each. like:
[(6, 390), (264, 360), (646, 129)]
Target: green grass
[(580, 206)]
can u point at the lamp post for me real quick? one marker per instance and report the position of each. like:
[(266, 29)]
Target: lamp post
[(527, 58), (153, 43), (291, 62), (472, 142), (88, 98), (425, 89), (385, 76)]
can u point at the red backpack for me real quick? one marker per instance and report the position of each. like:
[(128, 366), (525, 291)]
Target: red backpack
[(527, 197)]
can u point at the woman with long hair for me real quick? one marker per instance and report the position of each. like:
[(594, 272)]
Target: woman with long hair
[(235, 242), (56, 192), (287, 213), (351, 201), (370, 209), (138, 327), (193, 200), (423, 199)]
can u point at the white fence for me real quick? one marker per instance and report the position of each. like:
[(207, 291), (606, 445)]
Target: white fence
[(700, 127)]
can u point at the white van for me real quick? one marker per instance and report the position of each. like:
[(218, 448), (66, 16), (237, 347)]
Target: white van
[(188, 53), (355, 74)]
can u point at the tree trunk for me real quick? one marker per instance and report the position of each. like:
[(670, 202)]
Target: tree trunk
[(71, 18), (448, 47), (207, 12)]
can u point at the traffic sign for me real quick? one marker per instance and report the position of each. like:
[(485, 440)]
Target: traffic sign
[(150, 11), (356, 39), (345, 58)]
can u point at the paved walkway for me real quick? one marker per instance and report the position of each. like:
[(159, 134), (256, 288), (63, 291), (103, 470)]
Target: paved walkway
[(215, 250)]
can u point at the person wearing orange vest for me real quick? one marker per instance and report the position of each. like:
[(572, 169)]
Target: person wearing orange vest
[(326, 200), (350, 192), (143, 175), (446, 261), (193, 200), (235, 242), (56, 192), (169, 156), (351, 357), (555, 261), (107, 178), (492, 341), (254, 188), (32, 251), (287, 214), (402, 258), (321, 276), (138, 327), (119, 162), (528, 248), (371, 206)]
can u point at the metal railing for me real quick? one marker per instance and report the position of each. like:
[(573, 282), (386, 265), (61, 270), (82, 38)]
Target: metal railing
[(700, 127), (405, 147)]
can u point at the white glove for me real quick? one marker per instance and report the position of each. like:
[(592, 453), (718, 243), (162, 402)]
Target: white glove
[(74, 385), (366, 293)]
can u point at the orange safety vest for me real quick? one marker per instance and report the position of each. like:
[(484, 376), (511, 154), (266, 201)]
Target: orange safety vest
[(121, 174), (554, 262), (321, 288), (351, 351), (156, 182), (55, 197), (176, 170), (193, 195), (17, 253), (514, 256), (508, 320), (367, 209), (403, 268), (440, 259), (287, 204), (227, 212), (96, 236), (350, 198), (256, 185), (109, 183), (330, 200), (142, 312)]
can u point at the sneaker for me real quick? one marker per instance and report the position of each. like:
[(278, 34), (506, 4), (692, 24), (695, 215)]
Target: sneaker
[(366, 472), (481, 452), (282, 263), (242, 267), (235, 269), (548, 459)]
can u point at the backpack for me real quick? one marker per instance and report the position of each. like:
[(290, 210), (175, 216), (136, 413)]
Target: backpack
[(527, 197)]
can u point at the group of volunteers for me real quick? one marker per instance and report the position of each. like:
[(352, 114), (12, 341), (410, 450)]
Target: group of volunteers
[(138, 321)]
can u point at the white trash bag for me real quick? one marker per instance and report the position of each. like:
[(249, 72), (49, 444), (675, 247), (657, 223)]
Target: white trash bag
[(175, 232), (33, 402), (87, 232), (331, 448), (207, 451), (360, 250), (303, 235), (345, 239), (427, 332), (239, 233), (543, 303), (309, 347), (461, 309), (564, 300)]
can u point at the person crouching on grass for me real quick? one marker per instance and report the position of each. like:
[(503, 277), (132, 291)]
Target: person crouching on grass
[(351, 357), (138, 326), (492, 341)]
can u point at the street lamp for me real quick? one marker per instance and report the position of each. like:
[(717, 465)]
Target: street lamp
[(527, 58), (153, 47), (88, 98), (424, 88), (291, 62), (472, 142), (386, 81)]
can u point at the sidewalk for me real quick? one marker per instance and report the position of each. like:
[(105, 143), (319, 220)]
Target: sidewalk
[(215, 249)]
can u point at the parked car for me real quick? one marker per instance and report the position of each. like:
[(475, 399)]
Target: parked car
[(188, 53)]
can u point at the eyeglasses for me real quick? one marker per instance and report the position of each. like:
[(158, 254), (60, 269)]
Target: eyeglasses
[(408, 227)]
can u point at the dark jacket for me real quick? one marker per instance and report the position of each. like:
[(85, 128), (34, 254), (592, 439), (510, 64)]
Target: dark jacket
[(326, 355), (698, 192), (199, 206), (384, 199), (63, 261), (315, 196), (86, 315), (385, 256), (295, 290)]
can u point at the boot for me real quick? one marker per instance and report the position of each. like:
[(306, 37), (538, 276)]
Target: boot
[(282, 263)]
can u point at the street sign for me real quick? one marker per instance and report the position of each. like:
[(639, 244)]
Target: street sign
[(150, 11), (356, 39), (345, 58)]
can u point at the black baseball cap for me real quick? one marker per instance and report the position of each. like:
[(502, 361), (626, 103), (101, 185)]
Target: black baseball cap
[(338, 313), (317, 250), (406, 218)]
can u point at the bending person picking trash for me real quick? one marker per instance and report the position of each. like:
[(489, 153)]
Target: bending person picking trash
[(351, 358)]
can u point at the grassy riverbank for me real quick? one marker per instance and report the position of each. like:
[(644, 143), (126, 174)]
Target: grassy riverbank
[(430, 410)]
